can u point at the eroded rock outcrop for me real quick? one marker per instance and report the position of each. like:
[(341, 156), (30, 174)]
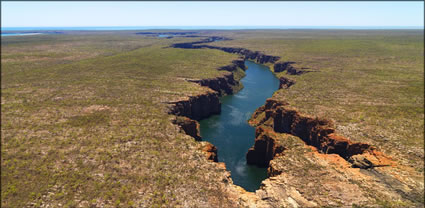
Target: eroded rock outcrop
[(316, 132), (210, 151), (285, 83), (240, 63), (309, 165), (265, 148), (222, 85), (202, 106), (189, 126), (197, 107), (234, 66), (258, 56), (288, 67)]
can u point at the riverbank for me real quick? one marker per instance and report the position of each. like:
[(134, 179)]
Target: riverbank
[(320, 135), (84, 119), (85, 122), (350, 90), (230, 131)]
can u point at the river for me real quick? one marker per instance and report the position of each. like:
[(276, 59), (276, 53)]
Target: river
[(230, 131)]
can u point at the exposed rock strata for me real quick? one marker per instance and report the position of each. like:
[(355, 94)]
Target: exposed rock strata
[(316, 132), (210, 151), (204, 105), (285, 83), (300, 174), (197, 107), (234, 66), (222, 85), (288, 67), (265, 148), (189, 126), (258, 56)]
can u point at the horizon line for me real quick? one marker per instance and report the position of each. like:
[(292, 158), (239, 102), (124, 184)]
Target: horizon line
[(232, 26)]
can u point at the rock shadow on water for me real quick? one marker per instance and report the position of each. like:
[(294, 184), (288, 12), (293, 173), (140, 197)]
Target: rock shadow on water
[(230, 131)]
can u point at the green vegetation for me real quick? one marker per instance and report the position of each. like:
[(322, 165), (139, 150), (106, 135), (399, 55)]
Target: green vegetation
[(84, 122), (370, 83)]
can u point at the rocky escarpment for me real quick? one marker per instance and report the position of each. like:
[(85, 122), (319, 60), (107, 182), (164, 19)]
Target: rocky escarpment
[(258, 56), (194, 45), (315, 132), (233, 67), (202, 106), (285, 83), (311, 166), (222, 85), (189, 126), (265, 148), (288, 67), (210, 151), (334, 171), (225, 84), (197, 107)]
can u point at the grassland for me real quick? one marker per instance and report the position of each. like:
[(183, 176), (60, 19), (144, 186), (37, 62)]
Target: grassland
[(370, 83), (84, 117), (84, 122)]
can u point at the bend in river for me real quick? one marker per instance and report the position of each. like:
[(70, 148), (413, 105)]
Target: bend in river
[(230, 131)]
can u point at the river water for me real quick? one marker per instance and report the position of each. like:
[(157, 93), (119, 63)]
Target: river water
[(230, 131)]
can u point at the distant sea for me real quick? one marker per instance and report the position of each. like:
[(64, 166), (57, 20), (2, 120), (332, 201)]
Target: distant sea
[(13, 31)]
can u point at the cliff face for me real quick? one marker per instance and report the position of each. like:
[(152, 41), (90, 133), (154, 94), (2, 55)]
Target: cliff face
[(285, 83), (266, 147), (233, 67), (309, 164), (222, 85), (259, 57), (202, 106), (197, 107), (317, 133), (210, 151), (287, 66), (189, 126)]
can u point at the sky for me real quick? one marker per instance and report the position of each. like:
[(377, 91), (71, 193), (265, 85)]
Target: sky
[(85, 14)]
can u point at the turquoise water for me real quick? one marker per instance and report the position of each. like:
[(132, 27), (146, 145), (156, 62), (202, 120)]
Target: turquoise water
[(164, 36), (19, 34), (230, 131)]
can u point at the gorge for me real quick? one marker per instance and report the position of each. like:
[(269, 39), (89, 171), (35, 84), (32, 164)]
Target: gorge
[(230, 132)]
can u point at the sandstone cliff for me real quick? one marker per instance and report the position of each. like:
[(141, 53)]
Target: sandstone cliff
[(309, 165), (257, 56), (315, 132), (197, 107), (285, 82), (189, 111)]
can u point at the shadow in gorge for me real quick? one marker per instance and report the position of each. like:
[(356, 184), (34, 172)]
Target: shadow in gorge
[(230, 131)]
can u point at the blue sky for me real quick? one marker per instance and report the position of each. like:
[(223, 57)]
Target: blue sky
[(78, 14)]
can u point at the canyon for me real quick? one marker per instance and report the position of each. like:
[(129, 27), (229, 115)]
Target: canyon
[(288, 142), (119, 119)]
